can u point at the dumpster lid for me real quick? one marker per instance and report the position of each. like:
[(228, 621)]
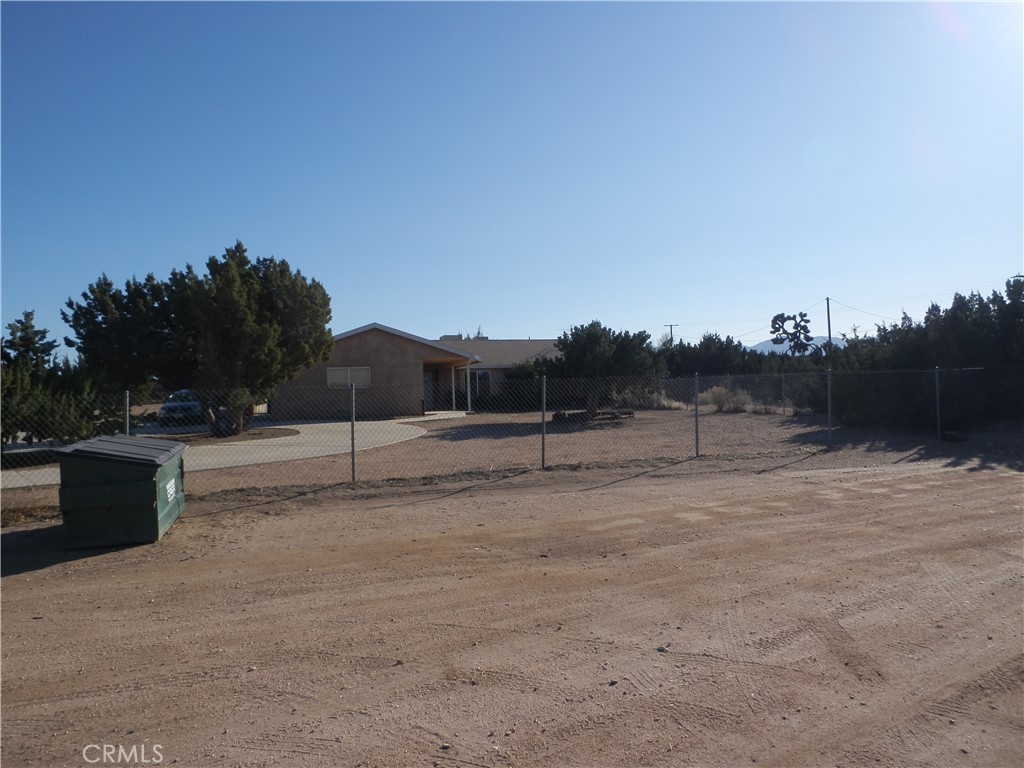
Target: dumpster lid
[(133, 450)]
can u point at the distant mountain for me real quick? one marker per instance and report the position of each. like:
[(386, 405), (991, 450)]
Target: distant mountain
[(767, 347)]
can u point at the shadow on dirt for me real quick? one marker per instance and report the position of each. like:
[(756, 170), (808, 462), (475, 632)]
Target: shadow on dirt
[(505, 431), (1001, 448), (666, 464), (247, 498), (482, 483), (38, 548)]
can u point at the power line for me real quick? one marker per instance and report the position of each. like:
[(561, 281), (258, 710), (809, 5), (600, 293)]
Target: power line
[(855, 309), (932, 294)]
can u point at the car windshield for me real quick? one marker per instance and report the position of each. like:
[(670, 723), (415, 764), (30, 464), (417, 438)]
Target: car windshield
[(182, 397)]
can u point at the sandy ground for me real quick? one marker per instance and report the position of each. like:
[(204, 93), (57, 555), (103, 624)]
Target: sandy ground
[(799, 608), (482, 445)]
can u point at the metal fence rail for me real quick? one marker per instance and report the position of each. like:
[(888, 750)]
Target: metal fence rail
[(329, 436)]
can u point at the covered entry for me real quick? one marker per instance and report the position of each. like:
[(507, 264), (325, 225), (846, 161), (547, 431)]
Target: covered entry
[(446, 384)]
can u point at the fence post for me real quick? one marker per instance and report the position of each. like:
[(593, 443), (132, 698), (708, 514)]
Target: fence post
[(352, 426), (127, 413), (938, 406), (543, 421), (783, 394), (828, 387), (696, 414)]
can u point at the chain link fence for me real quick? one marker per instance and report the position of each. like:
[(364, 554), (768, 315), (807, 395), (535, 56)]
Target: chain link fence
[(382, 434)]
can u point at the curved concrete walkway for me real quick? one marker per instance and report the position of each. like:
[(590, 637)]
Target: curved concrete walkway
[(314, 439)]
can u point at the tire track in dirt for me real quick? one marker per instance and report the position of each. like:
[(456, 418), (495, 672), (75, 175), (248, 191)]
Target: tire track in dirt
[(1007, 677), (932, 734), (744, 675), (846, 650), (155, 685), (895, 728), (294, 749)]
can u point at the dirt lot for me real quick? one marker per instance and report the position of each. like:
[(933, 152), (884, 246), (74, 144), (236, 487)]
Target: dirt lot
[(804, 608)]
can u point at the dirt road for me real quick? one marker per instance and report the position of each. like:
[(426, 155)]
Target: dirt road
[(815, 614)]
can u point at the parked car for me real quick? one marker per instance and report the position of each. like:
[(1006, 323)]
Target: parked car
[(182, 407)]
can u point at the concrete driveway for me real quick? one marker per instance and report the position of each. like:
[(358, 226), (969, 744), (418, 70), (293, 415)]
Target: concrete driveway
[(314, 439)]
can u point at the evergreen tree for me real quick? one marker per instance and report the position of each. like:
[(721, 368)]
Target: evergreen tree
[(239, 331), (599, 353), (28, 348), (121, 334), (711, 355), (41, 397), (589, 351)]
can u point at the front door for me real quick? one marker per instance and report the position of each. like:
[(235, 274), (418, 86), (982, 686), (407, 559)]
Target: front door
[(428, 390)]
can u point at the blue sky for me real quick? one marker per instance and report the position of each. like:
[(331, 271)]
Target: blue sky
[(522, 167)]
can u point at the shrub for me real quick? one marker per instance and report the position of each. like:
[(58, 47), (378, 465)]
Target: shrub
[(644, 399), (726, 400)]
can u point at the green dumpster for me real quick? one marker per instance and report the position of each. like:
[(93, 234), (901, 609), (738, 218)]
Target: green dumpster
[(120, 490)]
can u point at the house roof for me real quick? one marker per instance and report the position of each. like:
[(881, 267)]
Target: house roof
[(504, 353), (448, 349), (485, 353)]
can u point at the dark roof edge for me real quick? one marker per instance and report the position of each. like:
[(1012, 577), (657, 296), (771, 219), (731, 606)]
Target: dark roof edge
[(404, 335)]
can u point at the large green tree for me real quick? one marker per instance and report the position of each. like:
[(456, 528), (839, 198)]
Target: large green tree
[(600, 354), (122, 334), (593, 350), (42, 398), (28, 348), (974, 332), (236, 332), (711, 355)]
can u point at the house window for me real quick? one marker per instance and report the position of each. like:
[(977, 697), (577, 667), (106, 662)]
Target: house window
[(481, 383), (343, 378)]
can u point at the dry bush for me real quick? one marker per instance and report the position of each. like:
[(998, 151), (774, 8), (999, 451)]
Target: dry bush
[(645, 400), (726, 400)]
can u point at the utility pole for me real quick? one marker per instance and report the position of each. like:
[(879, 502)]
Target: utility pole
[(671, 338), (828, 315)]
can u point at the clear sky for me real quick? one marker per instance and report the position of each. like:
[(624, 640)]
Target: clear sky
[(522, 167)]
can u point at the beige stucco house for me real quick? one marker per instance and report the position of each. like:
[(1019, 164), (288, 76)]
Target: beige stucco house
[(495, 357), (395, 374)]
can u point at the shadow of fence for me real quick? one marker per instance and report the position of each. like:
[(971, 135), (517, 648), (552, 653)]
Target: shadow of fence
[(994, 449)]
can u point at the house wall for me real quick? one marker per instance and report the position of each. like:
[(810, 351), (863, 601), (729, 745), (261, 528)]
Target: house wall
[(396, 381), (495, 395), (497, 378)]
